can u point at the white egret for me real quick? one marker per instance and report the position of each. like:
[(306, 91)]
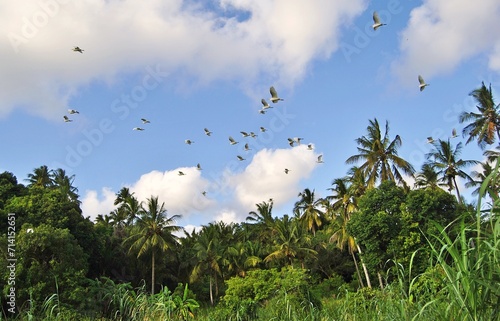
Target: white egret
[(274, 95), (145, 121), (422, 83), (138, 128), (72, 111), (189, 142), (66, 119), (207, 132), (232, 141), (77, 49), (320, 159), (376, 21)]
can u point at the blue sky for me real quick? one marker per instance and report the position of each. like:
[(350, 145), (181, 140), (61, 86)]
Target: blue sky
[(190, 65)]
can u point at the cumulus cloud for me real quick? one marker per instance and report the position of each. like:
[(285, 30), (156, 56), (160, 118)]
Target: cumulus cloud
[(182, 195), (275, 39), (441, 34), (265, 176), (93, 204)]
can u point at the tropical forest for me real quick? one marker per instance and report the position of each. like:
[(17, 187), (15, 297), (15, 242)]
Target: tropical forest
[(377, 247)]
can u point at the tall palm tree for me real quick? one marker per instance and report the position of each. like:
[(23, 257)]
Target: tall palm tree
[(308, 209), (445, 160), (380, 156), (128, 205), (344, 202), (484, 126), (208, 251), (154, 233), (41, 177), (65, 183)]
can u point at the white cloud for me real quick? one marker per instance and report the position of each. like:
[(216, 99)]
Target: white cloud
[(182, 194), (278, 39), (441, 34), (93, 205), (264, 177)]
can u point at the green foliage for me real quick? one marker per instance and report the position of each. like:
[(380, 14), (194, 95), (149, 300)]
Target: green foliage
[(244, 296)]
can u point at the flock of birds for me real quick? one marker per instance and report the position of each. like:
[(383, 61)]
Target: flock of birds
[(274, 99)]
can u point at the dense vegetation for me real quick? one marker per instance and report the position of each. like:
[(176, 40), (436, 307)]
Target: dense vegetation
[(374, 249)]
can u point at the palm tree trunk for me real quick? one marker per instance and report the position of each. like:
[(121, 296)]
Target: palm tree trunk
[(364, 267), (357, 269), (456, 188), (153, 273), (211, 294), (380, 281)]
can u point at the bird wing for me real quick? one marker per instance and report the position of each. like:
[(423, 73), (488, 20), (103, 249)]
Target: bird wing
[(376, 18), (231, 139), (273, 92), (421, 80), (264, 102)]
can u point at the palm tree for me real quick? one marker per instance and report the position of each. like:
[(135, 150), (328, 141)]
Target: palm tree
[(128, 205), (427, 178), (289, 242), (208, 250), (444, 159), (263, 220), (483, 126), (380, 156), (154, 232), (307, 208), (65, 184), (41, 177), (344, 203), (478, 178)]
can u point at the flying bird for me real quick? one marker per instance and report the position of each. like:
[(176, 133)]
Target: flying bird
[(320, 159), (181, 173), (145, 121), (72, 111), (291, 141), (77, 49), (376, 21), (422, 83), (245, 134), (198, 167), (310, 146), (274, 95), (262, 129), (253, 135), (454, 133), (298, 139), (246, 147), (204, 193), (265, 105), (66, 119), (286, 170), (240, 158), (207, 132), (188, 141), (232, 141), (138, 128), (430, 140)]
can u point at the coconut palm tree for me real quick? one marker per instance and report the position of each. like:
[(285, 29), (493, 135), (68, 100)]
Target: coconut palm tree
[(64, 183), (153, 232), (444, 159), (41, 177), (128, 205), (263, 219), (308, 209), (380, 156), (344, 202), (289, 242), (208, 251), (478, 178), (427, 178), (483, 126)]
